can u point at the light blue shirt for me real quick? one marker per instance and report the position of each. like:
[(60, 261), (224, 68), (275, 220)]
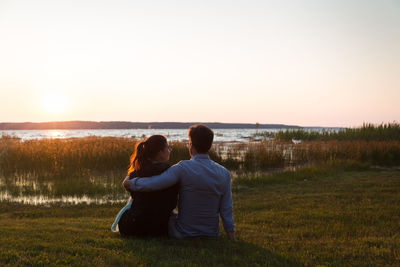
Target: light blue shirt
[(204, 195)]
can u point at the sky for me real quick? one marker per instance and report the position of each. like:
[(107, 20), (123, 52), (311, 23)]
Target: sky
[(307, 63)]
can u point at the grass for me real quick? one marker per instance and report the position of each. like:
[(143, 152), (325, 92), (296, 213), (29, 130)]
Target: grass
[(368, 132), (303, 173), (349, 218), (63, 158), (267, 155), (373, 152), (332, 210), (327, 215)]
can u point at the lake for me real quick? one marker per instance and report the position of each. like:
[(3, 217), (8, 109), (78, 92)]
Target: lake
[(221, 135)]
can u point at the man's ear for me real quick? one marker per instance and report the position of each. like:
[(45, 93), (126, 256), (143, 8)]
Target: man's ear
[(192, 150)]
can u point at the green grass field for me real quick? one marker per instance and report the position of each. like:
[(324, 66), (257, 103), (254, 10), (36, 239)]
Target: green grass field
[(326, 218)]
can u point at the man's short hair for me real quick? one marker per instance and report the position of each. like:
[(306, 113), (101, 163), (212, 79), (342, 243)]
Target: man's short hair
[(201, 137)]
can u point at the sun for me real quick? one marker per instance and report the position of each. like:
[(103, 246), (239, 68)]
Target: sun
[(55, 103)]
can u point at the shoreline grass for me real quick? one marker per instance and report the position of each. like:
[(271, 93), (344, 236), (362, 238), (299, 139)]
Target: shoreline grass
[(367, 132), (95, 166), (63, 158)]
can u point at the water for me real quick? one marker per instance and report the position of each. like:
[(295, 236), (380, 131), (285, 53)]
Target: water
[(28, 189), (221, 135), (63, 200)]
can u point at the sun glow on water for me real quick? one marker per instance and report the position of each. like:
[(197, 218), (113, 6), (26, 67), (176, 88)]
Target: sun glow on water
[(55, 134)]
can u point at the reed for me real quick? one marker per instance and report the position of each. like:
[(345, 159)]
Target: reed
[(368, 132), (263, 156), (64, 157), (385, 153), (96, 166), (94, 156), (179, 152)]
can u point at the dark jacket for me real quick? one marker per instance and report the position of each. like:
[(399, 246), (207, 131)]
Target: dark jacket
[(150, 211)]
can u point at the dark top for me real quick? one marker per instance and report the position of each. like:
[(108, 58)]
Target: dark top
[(150, 211)]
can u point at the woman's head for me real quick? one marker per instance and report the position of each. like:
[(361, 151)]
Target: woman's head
[(153, 149)]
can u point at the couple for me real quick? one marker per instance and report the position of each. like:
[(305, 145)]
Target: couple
[(203, 187)]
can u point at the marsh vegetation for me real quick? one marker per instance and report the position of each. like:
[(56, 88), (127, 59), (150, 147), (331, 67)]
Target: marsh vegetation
[(93, 167)]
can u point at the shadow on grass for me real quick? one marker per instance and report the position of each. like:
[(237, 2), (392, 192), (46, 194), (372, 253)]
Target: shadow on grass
[(204, 251)]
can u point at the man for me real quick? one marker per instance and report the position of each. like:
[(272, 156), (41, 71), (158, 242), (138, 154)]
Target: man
[(204, 194)]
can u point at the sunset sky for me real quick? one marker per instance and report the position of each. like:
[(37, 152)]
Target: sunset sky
[(308, 63)]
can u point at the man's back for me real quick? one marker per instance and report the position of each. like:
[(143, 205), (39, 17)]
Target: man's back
[(203, 185)]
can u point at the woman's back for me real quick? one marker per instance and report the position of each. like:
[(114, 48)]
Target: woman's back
[(150, 211)]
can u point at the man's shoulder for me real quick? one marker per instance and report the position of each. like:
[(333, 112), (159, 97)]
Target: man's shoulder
[(190, 164), (182, 163), (222, 168), (185, 164)]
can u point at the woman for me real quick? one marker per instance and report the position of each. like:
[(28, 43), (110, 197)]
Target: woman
[(147, 213)]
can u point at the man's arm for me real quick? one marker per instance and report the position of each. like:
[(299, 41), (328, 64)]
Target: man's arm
[(158, 182), (226, 211)]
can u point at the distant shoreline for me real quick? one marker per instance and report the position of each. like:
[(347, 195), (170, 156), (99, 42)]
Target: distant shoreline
[(93, 125)]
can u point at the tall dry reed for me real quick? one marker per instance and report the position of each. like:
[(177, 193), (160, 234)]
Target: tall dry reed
[(91, 155), (368, 132), (60, 157)]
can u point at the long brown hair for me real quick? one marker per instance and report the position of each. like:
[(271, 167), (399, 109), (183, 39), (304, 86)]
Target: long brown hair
[(146, 151)]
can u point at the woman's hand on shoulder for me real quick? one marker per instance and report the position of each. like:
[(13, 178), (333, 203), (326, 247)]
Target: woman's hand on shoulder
[(126, 183)]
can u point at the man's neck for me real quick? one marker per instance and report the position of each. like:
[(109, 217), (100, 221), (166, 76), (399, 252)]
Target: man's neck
[(200, 155)]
